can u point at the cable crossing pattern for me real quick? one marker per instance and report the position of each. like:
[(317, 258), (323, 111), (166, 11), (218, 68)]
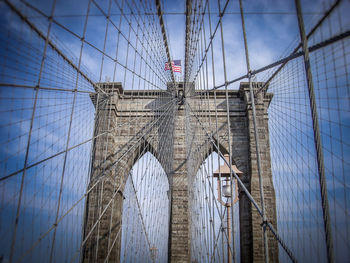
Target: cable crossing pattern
[(106, 156)]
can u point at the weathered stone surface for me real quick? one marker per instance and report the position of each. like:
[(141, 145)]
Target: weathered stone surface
[(125, 115)]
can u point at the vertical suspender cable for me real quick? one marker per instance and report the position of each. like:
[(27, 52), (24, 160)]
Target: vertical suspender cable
[(161, 22), (215, 131), (68, 136), (229, 144), (187, 36), (317, 136), (319, 23), (257, 148), (19, 203)]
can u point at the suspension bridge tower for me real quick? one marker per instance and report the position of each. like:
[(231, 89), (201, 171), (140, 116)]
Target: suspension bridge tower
[(171, 139)]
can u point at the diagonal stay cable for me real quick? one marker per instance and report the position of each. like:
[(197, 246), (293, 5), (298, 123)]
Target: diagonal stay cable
[(165, 40), (196, 33), (256, 137), (250, 197), (212, 36), (312, 31), (140, 213), (317, 137), (149, 32), (293, 54), (188, 16), (50, 43), (116, 237), (90, 44), (313, 48), (69, 149), (220, 213), (95, 183), (129, 43)]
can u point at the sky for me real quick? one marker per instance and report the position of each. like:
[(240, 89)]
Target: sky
[(271, 28)]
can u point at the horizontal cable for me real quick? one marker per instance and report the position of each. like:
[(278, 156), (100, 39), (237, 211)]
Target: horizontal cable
[(99, 179), (288, 58), (50, 43), (183, 13), (312, 31), (12, 85), (250, 197), (67, 150), (211, 37), (97, 49)]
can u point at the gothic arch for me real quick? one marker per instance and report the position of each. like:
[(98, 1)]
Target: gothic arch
[(208, 148), (126, 164)]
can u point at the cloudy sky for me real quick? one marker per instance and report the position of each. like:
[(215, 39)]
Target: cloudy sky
[(271, 28)]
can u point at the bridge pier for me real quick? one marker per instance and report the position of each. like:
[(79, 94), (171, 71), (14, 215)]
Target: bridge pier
[(179, 232), (102, 229), (252, 233)]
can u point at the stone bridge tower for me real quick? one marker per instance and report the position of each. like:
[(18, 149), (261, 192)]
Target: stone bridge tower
[(126, 144)]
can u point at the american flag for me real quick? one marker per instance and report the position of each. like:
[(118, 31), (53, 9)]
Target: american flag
[(175, 64)]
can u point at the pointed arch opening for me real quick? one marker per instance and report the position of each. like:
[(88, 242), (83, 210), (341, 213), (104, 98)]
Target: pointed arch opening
[(215, 225), (145, 213)]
